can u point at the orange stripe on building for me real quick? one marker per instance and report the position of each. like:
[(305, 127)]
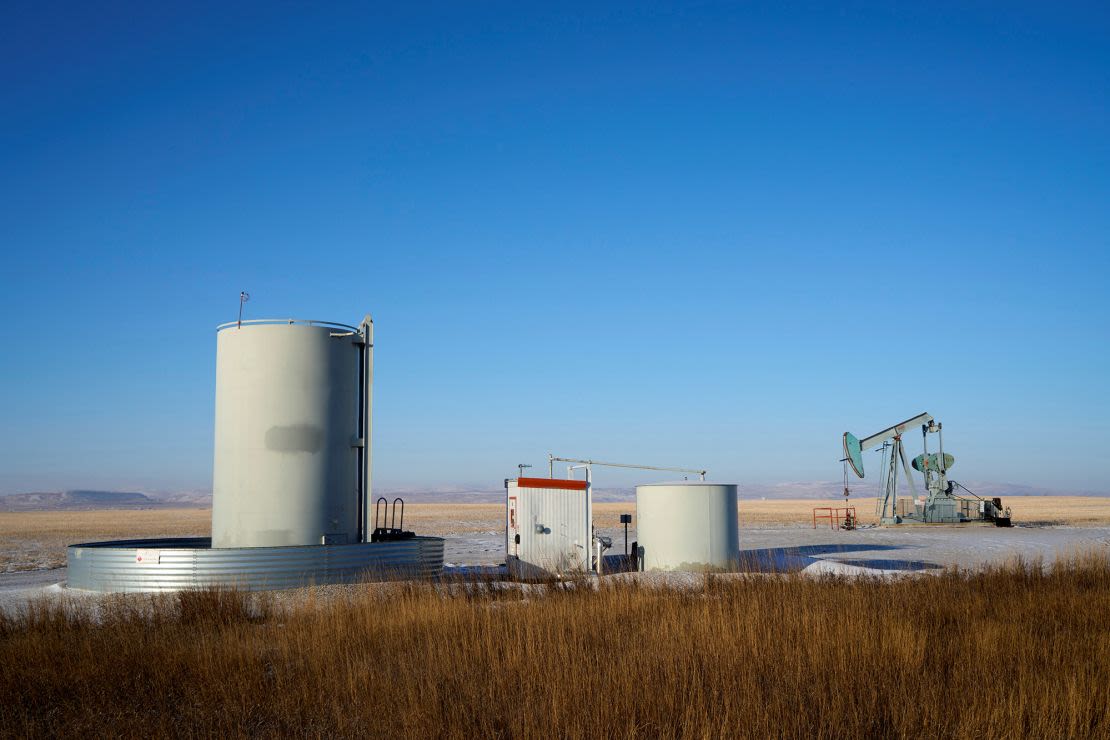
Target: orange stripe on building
[(568, 485)]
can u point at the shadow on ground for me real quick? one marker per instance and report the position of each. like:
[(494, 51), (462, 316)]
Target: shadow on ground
[(793, 559)]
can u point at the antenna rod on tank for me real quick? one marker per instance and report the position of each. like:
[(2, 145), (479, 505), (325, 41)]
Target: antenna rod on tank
[(244, 296)]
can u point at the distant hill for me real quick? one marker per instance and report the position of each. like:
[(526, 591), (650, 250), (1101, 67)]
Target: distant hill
[(869, 489), (85, 500)]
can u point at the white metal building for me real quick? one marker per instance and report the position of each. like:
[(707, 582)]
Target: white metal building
[(548, 527)]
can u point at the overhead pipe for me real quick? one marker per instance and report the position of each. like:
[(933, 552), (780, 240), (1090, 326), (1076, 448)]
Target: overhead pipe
[(588, 465), (551, 460)]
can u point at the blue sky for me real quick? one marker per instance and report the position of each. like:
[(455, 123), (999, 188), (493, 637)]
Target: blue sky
[(716, 236)]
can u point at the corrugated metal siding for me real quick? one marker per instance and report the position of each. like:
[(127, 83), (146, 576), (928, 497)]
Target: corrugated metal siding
[(174, 564), (554, 528)]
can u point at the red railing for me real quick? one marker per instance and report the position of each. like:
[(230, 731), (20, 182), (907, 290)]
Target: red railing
[(837, 516)]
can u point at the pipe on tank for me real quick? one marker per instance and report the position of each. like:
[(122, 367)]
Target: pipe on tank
[(360, 450), (365, 425)]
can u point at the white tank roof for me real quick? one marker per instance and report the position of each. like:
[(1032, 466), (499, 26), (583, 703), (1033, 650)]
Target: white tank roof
[(687, 483)]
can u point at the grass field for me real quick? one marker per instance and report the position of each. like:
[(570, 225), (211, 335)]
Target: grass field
[(1004, 653), (1001, 651), (30, 540), (1039, 510), (37, 539)]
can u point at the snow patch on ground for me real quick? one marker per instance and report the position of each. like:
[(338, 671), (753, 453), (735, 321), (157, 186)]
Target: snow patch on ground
[(822, 568)]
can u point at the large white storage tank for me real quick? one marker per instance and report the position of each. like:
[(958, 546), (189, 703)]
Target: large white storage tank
[(688, 526), (290, 444)]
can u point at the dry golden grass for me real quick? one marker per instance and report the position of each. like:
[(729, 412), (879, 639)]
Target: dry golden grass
[(37, 539), (782, 512), (1004, 653), (447, 519), (1069, 510)]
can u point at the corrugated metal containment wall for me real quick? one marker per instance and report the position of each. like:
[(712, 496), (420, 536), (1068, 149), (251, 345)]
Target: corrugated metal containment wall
[(172, 564), (547, 526)]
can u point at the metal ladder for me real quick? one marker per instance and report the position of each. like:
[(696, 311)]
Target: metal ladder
[(396, 530)]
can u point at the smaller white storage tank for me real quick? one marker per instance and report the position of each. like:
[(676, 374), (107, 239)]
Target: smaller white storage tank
[(688, 526)]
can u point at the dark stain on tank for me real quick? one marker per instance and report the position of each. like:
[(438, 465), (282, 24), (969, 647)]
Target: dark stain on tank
[(295, 438)]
